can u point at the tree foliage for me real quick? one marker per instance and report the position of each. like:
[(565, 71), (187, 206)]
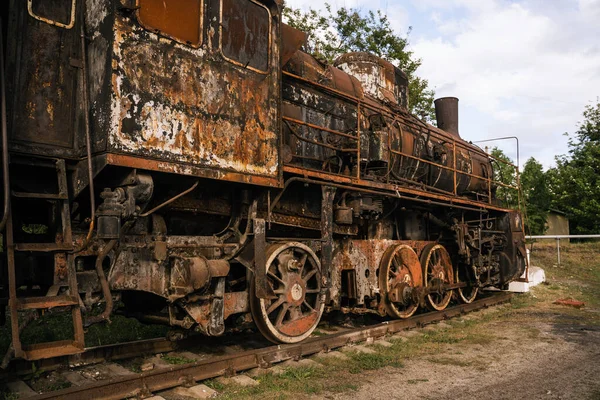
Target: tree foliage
[(536, 195), (346, 30), (575, 181), (505, 174)]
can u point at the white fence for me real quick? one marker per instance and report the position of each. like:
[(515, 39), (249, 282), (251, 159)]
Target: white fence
[(558, 237)]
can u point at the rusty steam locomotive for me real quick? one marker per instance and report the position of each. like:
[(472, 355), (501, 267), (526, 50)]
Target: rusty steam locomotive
[(186, 159)]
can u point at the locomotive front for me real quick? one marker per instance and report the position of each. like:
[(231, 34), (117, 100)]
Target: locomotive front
[(187, 160)]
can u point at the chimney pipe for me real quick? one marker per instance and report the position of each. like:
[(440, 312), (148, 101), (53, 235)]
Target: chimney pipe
[(446, 114)]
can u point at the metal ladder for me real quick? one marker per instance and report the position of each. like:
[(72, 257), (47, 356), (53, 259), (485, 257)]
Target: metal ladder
[(20, 304)]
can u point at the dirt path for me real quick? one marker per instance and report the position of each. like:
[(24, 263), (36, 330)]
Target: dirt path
[(535, 361)]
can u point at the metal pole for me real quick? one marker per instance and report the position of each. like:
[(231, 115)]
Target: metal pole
[(558, 249), (503, 138)]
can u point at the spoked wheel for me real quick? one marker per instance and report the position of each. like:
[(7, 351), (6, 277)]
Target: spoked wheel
[(294, 273), (437, 270), (465, 273), (399, 272)]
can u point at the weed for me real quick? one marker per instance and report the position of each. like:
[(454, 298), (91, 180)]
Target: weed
[(370, 361), (415, 381), (450, 361), (6, 395), (176, 360)]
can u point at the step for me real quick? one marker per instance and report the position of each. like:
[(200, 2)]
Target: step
[(48, 196), (42, 247), (50, 349), (42, 302)]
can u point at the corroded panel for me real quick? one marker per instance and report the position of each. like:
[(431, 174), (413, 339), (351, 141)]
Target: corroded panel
[(180, 104)]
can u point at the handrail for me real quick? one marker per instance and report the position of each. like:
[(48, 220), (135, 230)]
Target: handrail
[(409, 124), (5, 172)]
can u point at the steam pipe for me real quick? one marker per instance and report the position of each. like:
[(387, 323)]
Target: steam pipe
[(172, 199), (105, 316), (446, 114), (88, 141), (5, 174)]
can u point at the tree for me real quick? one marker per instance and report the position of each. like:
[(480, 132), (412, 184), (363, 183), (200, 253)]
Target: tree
[(346, 30), (537, 196), (506, 174), (575, 181)]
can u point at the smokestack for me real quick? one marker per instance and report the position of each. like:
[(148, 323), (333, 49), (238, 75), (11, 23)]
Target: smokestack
[(446, 114)]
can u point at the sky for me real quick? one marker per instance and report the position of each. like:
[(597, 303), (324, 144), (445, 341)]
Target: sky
[(519, 68)]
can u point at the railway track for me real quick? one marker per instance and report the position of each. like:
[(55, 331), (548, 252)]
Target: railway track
[(144, 384)]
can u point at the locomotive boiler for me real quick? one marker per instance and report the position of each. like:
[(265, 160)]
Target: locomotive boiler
[(187, 162)]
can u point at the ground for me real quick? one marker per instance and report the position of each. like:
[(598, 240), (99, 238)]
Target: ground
[(531, 348)]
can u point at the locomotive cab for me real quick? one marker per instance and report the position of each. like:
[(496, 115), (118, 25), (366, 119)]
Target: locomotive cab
[(192, 85)]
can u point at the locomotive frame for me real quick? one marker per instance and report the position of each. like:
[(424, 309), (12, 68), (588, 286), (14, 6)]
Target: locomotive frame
[(230, 180)]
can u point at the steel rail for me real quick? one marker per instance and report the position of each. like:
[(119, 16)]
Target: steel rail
[(148, 382), (100, 354)]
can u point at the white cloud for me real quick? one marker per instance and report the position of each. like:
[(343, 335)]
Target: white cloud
[(520, 68), (396, 14), (512, 69)]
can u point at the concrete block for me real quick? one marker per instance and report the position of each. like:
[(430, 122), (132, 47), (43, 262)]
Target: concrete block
[(241, 380), (158, 362), (112, 370), (410, 333), (536, 276), (400, 337), (307, 362), (362, 349), (443, 325), (147, 366), (518, 287), (21, 389), (333, 354), (195, 392), (75, 378), (304, 362), (257, 372)]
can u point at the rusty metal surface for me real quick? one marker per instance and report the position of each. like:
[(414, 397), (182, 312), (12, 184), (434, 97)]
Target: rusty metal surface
[(380, 79), (42, 82), (446, 114), (153, 381), (364, 257), (239, 137), (181, 20), (291, 41), (188, 169), (420, 194)]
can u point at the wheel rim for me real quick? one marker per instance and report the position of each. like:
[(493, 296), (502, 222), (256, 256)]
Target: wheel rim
[(396, 278), (437, 269), (294, 273), (469, 293)]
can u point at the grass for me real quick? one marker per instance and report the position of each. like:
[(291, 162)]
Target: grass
[(6, 395), (415, 381), (54, 326), (176, 360)]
